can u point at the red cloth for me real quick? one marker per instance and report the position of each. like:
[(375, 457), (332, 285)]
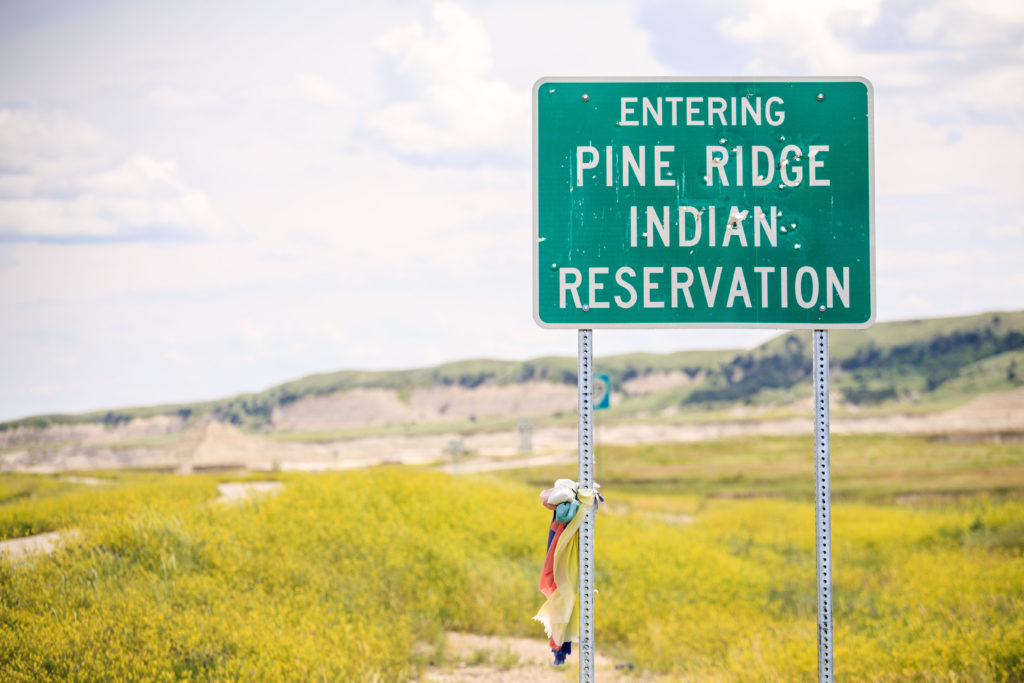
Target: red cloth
[(547, 574)]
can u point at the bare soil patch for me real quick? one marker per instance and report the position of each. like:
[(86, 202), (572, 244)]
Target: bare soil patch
[(472, 657), (236, 491), (21, 549), (363, 407), (657, 381)]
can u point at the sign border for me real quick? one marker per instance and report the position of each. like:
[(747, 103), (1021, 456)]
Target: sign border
[(704, 79)]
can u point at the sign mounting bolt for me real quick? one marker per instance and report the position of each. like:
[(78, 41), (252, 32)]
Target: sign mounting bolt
[(821, 308), (821, 97), (586, 97)]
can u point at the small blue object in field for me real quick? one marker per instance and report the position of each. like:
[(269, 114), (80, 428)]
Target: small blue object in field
[(603, 400)]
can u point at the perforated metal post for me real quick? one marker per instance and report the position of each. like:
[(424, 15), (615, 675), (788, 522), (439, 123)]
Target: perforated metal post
[(823, 508), (586, 481)]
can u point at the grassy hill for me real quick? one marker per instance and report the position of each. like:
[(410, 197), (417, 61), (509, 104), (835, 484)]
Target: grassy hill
[(924, 364)]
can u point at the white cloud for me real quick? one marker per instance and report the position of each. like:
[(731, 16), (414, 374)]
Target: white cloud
[(801, 31), (255, 334), (957, 24), (1005, 230), (935, 258), (968, 55), (167, 97), (311, 88), (451, 104), (916, 302), (175, 356), (459, 48), (318, 90), (535, 38), (52, 144), (947, 279), (65, 180), (917, 229), (917, 158)]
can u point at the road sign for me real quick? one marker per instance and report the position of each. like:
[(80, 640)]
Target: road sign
[(703, 203)]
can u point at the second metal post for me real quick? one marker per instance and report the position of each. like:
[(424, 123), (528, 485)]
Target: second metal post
[(823, 507)]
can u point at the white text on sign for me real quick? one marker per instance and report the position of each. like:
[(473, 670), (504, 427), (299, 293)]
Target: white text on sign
[(682, 226)]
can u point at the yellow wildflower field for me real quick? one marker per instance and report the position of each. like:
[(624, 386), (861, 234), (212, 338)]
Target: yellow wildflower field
[(356, 576)]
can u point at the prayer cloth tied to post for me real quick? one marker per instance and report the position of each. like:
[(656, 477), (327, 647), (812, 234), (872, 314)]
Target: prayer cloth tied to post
[(559, 579)]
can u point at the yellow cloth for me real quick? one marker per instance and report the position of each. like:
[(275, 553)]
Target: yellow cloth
[(560, 613)]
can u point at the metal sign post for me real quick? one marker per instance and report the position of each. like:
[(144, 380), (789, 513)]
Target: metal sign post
[(586, 481), (823, 507)]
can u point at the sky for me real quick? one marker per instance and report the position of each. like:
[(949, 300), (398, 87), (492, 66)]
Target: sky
[(200, 199)]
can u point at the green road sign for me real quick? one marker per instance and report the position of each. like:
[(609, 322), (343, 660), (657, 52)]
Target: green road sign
[(703, 203)]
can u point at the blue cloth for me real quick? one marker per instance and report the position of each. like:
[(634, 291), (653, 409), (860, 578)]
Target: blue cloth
[(566, 511), (561, 652)]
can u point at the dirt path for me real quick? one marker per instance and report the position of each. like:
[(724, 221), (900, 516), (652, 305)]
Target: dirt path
[(20, 549), (471, 657), (234, 491)]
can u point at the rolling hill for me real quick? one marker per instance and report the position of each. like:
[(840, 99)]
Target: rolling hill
[(909, 367)]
